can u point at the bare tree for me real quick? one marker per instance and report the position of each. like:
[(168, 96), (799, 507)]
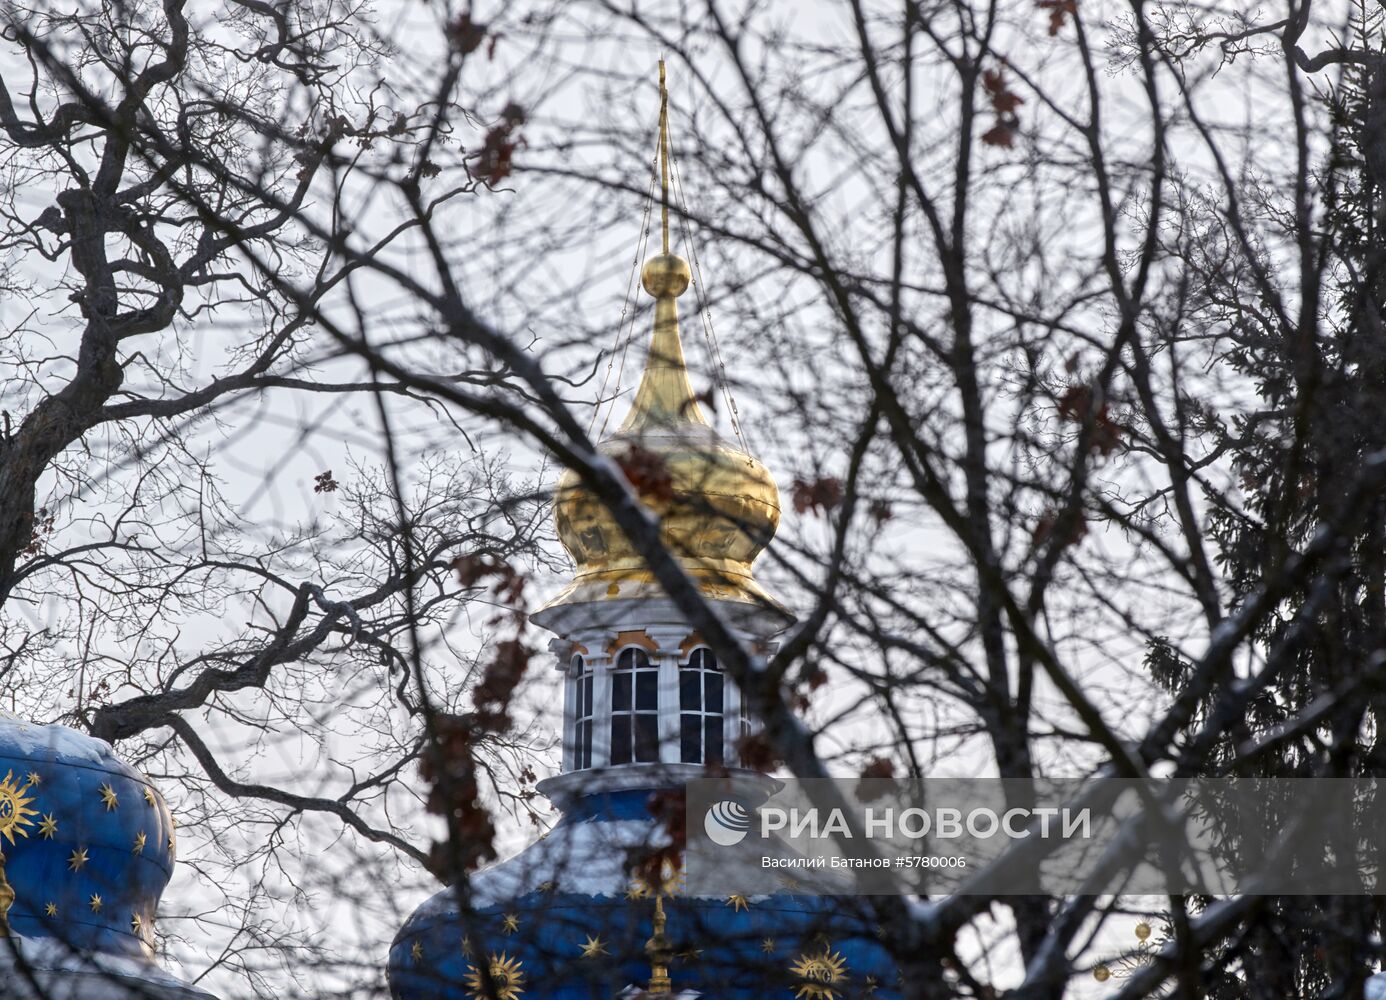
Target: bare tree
[(996, 287), (154, 155)]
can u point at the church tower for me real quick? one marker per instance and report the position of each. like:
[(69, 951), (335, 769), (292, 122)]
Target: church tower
[(646, 702), (582, 913)]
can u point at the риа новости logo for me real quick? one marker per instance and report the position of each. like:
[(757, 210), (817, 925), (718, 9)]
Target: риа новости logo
[(727, 823)]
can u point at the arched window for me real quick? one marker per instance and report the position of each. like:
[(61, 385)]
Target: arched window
[(582, 714), (634, 708), (700, 709)]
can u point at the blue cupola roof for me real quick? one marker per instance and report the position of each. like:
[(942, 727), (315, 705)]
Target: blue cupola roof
[(88, 846), (564, 920)]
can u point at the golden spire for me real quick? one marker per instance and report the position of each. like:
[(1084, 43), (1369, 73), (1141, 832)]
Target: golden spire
[(664, 157), (665, 395)]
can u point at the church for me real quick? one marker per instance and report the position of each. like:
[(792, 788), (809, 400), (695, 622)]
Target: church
[(597, 908)]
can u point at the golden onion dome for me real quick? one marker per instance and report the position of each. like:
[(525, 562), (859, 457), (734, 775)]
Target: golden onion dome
[(718, 507)]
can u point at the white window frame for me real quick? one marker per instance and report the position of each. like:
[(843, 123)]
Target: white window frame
[(726, 714), (580, 669), (633, 712)]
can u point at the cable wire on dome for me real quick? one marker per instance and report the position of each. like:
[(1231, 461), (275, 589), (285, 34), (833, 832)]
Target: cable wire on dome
[(665, 167), (625, 324), (719, 367)]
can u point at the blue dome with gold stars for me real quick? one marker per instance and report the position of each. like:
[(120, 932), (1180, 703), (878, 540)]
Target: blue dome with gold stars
[(88, 846), (565, 920)]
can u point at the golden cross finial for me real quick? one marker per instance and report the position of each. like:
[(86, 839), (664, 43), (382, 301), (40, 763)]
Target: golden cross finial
[(660, 953), (664, 156)]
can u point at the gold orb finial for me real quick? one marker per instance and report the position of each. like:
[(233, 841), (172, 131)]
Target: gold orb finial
[(666, 275)]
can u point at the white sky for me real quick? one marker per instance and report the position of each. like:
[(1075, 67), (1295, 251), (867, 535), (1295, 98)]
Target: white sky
[(266, 452)]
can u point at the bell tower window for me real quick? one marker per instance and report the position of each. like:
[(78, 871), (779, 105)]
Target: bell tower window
[(701, 708), (634, 708), (582, 714)]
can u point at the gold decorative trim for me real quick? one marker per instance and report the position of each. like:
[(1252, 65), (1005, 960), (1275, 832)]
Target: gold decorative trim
[(634, 637)]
